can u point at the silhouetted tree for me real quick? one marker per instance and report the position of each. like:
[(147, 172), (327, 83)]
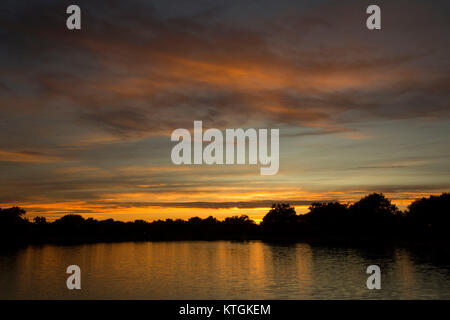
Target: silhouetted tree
[(430, 216), (236, 226), (281, 219), (72, 227), (327, 218), (14, 227), (40, 220), (12, 216), (374, 216)]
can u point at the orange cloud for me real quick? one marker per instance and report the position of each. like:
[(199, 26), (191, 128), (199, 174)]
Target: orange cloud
[(27, 157)]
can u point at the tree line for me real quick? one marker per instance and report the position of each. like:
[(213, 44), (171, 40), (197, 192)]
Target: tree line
[(373, 217)]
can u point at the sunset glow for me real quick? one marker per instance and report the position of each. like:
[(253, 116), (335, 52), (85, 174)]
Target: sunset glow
[(86, 116)]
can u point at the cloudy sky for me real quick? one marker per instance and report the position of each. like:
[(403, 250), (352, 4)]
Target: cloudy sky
[(86, 116)]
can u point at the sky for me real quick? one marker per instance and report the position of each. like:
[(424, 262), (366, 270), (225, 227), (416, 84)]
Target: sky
[(86, 115)]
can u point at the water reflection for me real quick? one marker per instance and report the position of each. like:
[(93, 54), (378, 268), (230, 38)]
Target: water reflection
[(219, 270)]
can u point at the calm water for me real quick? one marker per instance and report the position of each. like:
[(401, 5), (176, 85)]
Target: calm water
[(218, 270)]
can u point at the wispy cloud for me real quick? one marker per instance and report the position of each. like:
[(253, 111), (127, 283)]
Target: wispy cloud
[(85, 116), (27, 157)]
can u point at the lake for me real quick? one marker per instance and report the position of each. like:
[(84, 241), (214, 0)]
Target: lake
[(219, 270)]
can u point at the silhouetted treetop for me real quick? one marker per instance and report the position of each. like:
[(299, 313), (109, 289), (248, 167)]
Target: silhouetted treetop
[(13, 215), (375, 204), (430, 215), (40, 220), (330, 218), (281, 218), (373, 217)]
